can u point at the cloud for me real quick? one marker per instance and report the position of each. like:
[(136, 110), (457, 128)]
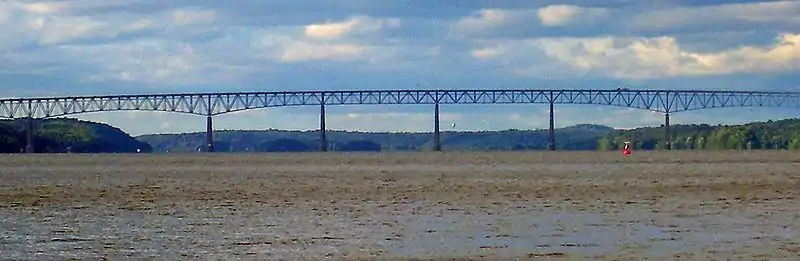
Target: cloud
[(42, 8), (51, 48), (484, 19), (305, 51), (642, 58), (159, 48), (151, 61), (734, 16), (643, 18), (560, 15), (358, 25), (291, 48), (190, 17), (486, 53), (63, 7), (529, 21)]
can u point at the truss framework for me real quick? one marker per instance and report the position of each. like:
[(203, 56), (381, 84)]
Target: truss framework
[(211, 104)]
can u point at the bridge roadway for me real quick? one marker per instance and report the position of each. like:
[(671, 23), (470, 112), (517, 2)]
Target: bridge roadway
[(212, 104)]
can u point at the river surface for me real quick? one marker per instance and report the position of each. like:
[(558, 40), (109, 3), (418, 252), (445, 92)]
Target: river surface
[(175, 210)]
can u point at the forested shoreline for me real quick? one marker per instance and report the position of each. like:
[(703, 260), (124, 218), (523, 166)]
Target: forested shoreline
[(77, 136)]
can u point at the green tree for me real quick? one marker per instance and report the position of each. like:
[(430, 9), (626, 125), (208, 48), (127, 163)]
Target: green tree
[(777, 142), (794, 143), (700, 144), (604, 144), (688, 143)]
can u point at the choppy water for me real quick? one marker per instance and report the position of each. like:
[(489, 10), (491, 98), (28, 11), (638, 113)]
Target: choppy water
[(264, 231)]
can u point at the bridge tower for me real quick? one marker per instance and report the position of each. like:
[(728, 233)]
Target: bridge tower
[(30, 133), (323, 146), (667, 135), (552, 131), (209, 134), (437, 141)]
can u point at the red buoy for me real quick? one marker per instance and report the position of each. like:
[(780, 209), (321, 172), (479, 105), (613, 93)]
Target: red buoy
[(626, 149)]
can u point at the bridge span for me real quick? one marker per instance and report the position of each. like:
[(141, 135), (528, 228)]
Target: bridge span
[(212, 104)]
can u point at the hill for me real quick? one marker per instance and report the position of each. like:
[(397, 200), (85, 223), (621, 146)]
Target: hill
[(72, 135), (579, 137), (68, 135), (781, 134)]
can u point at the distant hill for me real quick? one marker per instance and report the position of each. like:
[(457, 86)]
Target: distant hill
[(68, 135), (578, 137), (72, 135), (781, 134)]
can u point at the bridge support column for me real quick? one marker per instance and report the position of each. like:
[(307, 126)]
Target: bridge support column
[(29, 135), (323, 146), (209, 134), (437, 142), (552, 131), (667, 136)]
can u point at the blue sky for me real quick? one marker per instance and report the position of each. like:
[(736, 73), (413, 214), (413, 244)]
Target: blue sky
[(157, 46)]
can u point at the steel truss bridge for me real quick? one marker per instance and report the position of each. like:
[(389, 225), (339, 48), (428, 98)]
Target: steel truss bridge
[(212, 104)]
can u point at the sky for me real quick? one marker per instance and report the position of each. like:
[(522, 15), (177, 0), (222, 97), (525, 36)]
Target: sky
[(90, 47)]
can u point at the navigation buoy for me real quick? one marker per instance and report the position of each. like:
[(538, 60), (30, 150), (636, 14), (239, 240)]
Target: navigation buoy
[(626, 149)]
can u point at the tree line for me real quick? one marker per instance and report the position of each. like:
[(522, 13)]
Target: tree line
[(775, 135), (71, 135), (64, 135)]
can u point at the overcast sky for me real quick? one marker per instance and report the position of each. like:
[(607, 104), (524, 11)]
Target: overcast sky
[(157, 46)]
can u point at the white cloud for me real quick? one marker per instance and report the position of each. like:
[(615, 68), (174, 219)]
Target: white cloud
[(727, 14), (156, 62), (357, 25), (561, 15), (305, 51), (315, 43), (640, 58), (192, 17), (159, 55), (484, 19), (291, 48), (486, 53), (521, 20), (56, 30), (61, 7), (51, 24), (147, 43), (42, 7)]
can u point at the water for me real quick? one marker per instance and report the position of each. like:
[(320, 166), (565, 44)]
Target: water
[(314, 207), (231, 231)]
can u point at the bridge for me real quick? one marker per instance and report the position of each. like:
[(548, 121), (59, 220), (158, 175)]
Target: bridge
[(212, 104)]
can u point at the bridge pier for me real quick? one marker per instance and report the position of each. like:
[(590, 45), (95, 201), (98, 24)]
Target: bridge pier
[(667, 136), (437, 142), (552, 131), (209, 134), (29, 135), (323, 146)]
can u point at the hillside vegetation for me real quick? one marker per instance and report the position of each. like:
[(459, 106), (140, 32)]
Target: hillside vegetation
[(579, 137), (68, 135), (71, 135), (782, 134)]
